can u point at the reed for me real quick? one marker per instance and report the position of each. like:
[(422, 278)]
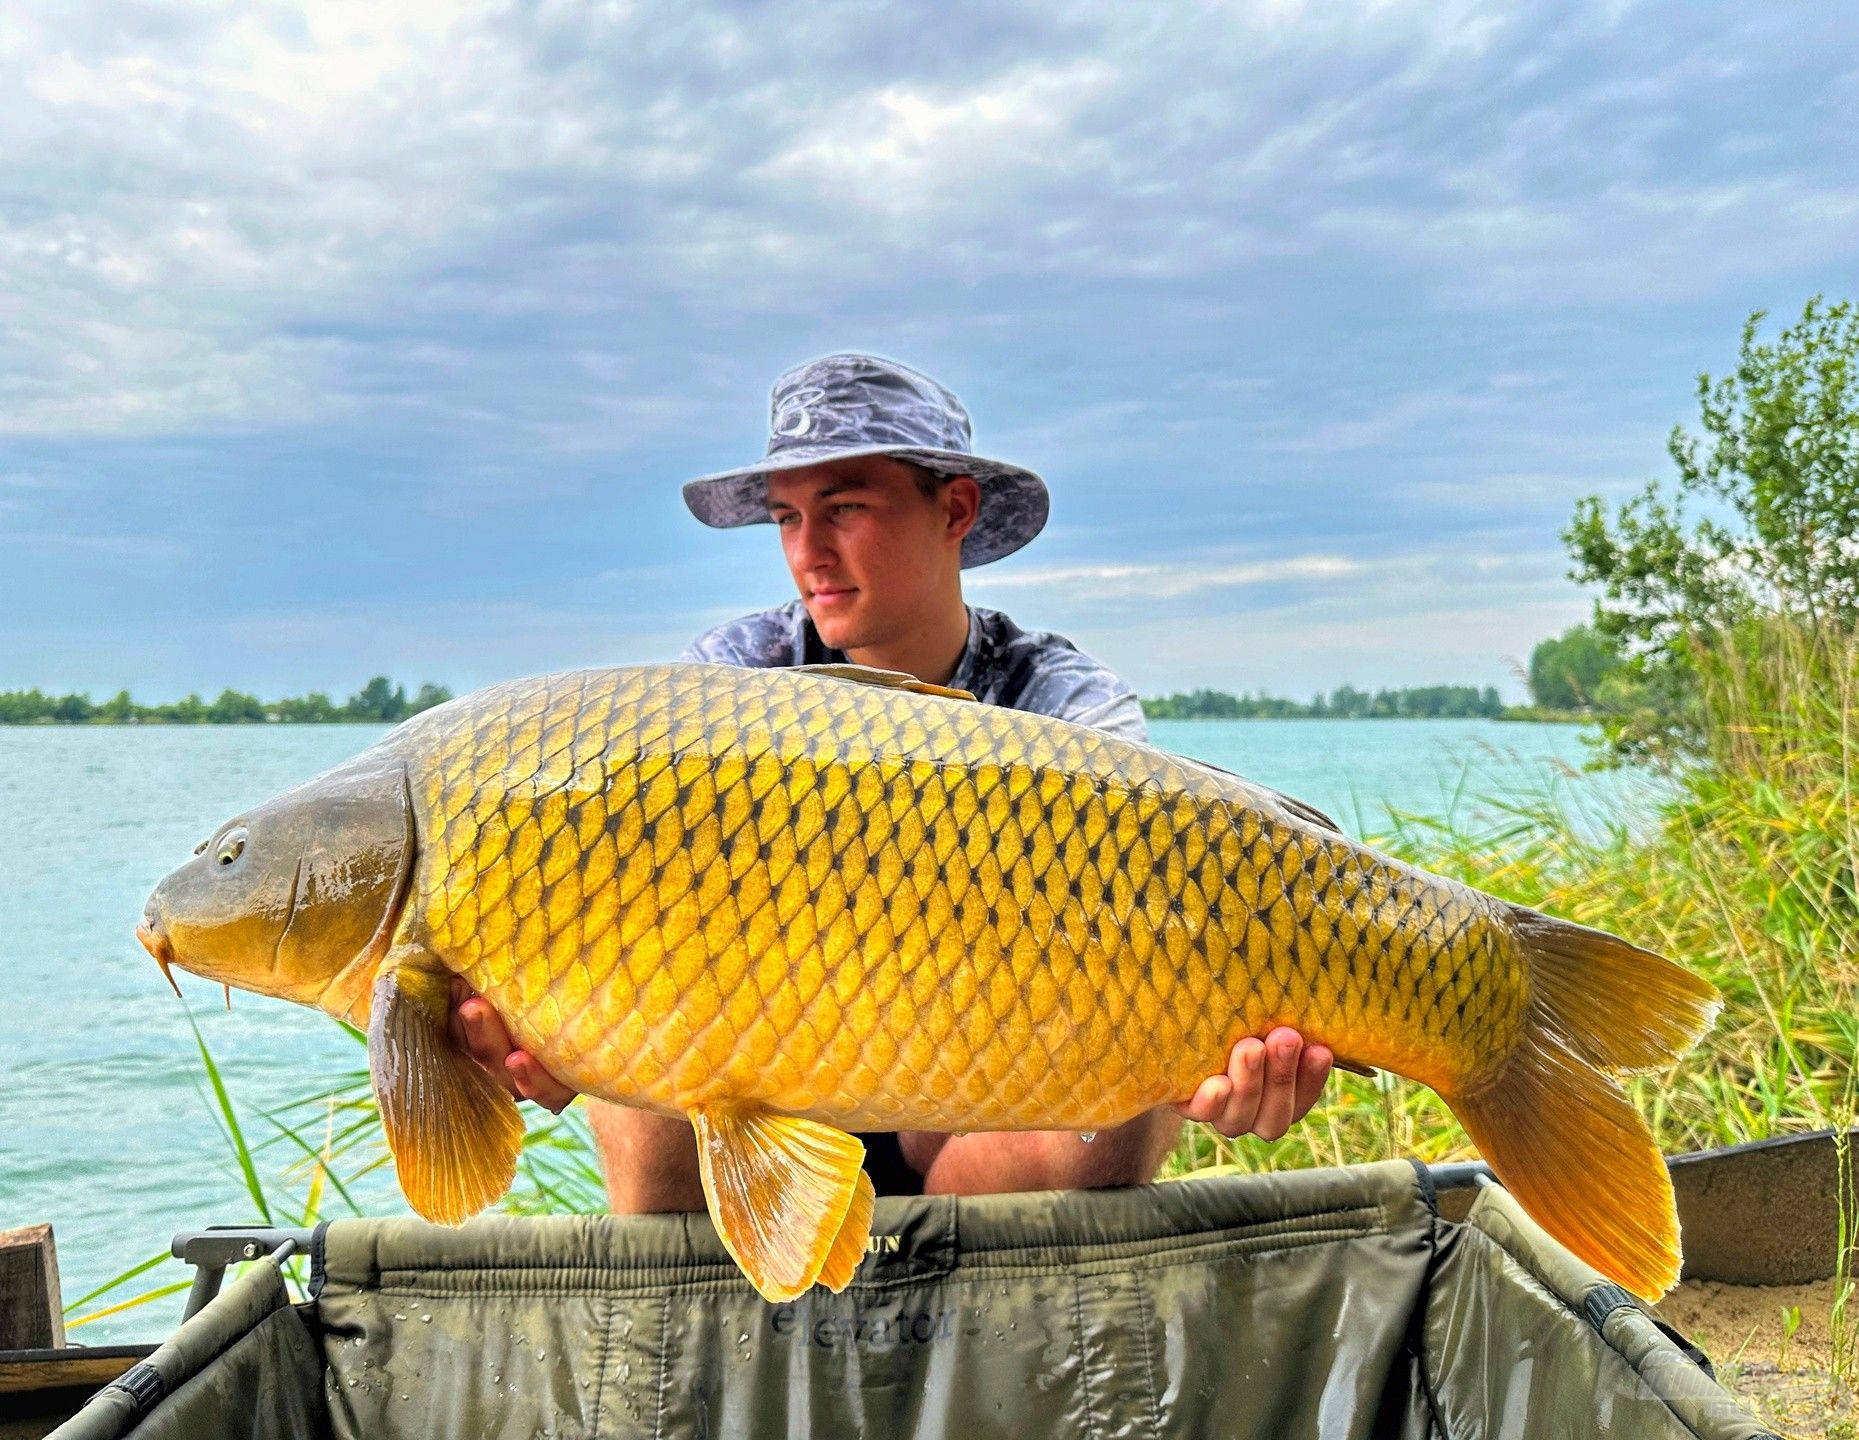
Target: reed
[(1743, 866)]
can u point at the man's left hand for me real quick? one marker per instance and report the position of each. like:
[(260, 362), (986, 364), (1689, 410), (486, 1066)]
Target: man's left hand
[(1268, 1086)]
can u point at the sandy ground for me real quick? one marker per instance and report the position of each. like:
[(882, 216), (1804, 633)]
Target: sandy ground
[(1790, 1385)]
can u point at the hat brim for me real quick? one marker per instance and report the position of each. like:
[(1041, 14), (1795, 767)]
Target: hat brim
[(1014, 501)]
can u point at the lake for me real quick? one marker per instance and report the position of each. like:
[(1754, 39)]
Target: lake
[(106, 1128)]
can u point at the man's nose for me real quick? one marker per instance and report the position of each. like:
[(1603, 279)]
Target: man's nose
[(811, 544)]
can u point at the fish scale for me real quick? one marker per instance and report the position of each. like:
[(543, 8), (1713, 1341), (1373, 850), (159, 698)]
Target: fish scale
[(885, 910), (790, 903)]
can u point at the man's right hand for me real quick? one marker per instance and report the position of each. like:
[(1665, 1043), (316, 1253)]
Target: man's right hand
[(477, 1030)]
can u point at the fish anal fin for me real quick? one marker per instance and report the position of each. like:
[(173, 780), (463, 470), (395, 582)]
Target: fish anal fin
[(788, 1197), (454, 1132), (889, 679)]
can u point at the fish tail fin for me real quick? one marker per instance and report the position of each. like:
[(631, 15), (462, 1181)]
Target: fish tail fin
[(1552, 1118)]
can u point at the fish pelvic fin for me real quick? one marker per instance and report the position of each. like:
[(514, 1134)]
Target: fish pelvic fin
[(788, 1196), (454, 1132), (1552, 1118)]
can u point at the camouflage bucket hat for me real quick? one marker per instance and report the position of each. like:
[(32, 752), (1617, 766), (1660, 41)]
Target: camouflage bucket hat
[(841, 406)]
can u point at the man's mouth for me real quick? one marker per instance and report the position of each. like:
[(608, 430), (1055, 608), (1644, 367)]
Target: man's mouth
[(831, 593)]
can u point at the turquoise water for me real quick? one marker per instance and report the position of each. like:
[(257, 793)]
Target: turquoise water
[(105, 1126)]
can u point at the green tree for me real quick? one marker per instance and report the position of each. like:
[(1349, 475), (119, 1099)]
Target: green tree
[(1567, 670), (429, 696), (1760, 521), (316, 708), (189, 710), (379, 699), (235, 708), (119, 709), (71, 709)]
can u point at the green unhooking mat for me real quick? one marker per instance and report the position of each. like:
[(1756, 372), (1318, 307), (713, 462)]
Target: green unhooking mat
[(1333, 1303)]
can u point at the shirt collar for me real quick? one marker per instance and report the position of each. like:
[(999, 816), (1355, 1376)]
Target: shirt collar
[(971, 662)]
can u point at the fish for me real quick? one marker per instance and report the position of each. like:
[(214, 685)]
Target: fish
[(792, 904)]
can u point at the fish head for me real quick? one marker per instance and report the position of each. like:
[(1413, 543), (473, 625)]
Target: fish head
[(285, 899)]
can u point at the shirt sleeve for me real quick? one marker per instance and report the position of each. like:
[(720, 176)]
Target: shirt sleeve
[(1120, 715), (1070, 685), (710, 648), (754, 642)]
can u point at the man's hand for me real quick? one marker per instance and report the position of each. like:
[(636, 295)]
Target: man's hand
[(476, 1029), (1268, 1086)]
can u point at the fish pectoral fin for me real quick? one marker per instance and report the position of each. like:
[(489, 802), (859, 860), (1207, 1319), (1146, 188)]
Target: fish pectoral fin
[(889, 679), (453, 1131), (1354, 1068), (788, 1197)]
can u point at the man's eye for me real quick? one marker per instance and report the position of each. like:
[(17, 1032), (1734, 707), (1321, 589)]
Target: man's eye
[(848, 505)]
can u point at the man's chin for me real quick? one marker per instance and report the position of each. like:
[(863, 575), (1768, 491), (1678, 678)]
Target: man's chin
[(839, 632)]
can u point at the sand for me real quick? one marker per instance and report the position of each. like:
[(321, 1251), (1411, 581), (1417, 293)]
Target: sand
[(1790, 1386)]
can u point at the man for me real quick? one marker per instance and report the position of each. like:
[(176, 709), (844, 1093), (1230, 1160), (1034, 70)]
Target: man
[(880, 504)]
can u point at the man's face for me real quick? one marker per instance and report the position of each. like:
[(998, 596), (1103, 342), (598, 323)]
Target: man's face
[(869, 552)]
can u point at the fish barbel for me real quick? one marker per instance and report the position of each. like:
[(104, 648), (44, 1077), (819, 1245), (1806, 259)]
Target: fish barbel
[(788, 904)]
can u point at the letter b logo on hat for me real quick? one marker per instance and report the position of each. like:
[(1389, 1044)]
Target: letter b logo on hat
[(793, 419)]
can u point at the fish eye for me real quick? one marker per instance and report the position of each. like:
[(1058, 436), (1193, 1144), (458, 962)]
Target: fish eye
[(232, 847)]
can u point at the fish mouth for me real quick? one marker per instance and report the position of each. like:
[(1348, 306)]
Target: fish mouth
[(157, 945)]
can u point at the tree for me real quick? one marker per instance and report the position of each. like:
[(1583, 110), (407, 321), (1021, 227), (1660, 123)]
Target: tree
[(429, 696), (71, 709), (1567, 670), (119, 709), (316, 708), (235, 708), (379, 699), (188, 710), (1775, 473)]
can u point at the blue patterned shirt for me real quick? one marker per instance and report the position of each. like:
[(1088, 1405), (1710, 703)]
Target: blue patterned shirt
[(1002, 665)]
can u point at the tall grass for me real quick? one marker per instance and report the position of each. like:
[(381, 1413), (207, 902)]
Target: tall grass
[(1744, 867), (310, 1159)]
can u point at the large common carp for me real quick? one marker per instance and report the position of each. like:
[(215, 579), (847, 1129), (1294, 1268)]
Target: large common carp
[(792, 903)]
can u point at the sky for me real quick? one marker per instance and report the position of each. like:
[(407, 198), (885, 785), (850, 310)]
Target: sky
[(379, 337)]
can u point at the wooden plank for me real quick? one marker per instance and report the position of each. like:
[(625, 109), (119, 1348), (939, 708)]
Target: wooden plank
[(27, 1371), (31, 1309)]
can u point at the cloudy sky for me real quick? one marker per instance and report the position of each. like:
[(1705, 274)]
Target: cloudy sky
[(367, 337)]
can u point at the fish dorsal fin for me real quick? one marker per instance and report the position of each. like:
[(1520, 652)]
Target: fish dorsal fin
[(1299, 808), (787, 1196), (453, 1131), (889, 679), (1303, 810)]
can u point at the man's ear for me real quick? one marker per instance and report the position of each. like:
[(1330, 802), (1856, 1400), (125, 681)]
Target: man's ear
[(961, 506)]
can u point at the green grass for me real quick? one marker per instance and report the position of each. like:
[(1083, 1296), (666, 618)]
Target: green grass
[(1745, 869)]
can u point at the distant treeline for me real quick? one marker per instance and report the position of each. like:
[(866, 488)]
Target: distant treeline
[(380, 701), (1416, 702)]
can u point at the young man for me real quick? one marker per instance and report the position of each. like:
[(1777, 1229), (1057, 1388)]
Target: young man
[(880, 504)]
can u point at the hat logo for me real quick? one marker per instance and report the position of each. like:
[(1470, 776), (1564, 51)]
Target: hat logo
[(793, 419)]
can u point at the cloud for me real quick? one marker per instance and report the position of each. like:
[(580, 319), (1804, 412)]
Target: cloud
[(1170, 581), (263, 215), (421, 308)]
